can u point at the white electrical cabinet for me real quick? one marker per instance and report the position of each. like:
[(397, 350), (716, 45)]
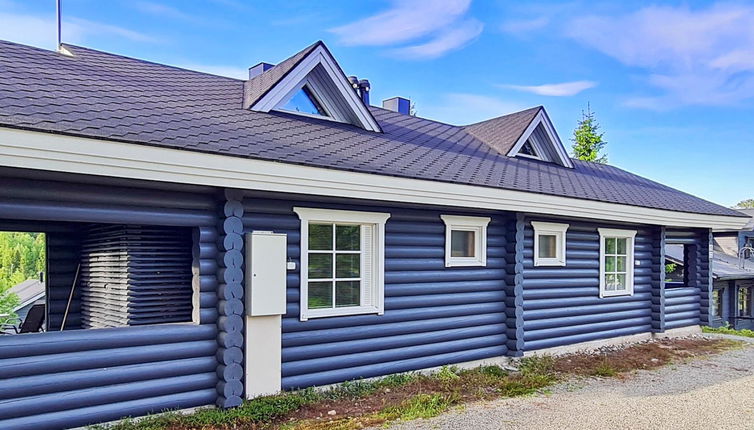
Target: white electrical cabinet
[(266, 259)]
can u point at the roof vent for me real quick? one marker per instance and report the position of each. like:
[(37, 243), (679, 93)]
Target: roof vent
[(398, 104), (259, 69), (362, 87)]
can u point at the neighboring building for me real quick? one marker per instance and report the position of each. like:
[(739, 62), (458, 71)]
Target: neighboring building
[(292, 235), (733, 293), (29, 292)]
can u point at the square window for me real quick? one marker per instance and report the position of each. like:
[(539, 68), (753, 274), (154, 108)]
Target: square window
[(616, 262), (465, 240), (462, 243), (342, 262), (549, 243)]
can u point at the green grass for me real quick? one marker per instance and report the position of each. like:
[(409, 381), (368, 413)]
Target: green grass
[(420, 406), (728, 330), (605, 369)]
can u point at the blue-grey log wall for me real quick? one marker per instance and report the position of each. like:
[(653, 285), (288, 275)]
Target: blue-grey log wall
[(688, 304), (433, 315), (76, 377), (561, 305)]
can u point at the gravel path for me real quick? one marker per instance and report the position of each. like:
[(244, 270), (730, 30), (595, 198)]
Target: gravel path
[(714, 393)]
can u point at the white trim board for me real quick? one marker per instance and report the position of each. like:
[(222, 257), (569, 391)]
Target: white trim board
[(60, 153)]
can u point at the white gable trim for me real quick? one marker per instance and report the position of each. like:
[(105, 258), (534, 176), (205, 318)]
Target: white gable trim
[(557, 146), (280, 93), (61, 153)]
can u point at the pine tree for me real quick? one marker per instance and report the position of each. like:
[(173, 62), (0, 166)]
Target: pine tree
[(587, 140)]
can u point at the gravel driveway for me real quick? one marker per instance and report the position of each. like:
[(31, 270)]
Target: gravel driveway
[(714, 393)]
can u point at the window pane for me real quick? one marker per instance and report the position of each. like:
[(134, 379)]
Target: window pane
[(621, 264), (622, 246), (347, 293), (461, 243), (610, 282), (304, 101), (320, 295), (620, 282), (744, 302), (610, 245), (717, 303), (320, 237), (347, 265), (320, 266), (609, 264), (547, 246), (347, 237)]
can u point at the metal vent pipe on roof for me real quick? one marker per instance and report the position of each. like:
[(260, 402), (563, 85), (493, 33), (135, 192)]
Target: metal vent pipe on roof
[(362, 87), (398, 104)]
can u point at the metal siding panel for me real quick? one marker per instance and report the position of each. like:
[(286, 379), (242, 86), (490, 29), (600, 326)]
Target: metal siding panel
[(433, 315)]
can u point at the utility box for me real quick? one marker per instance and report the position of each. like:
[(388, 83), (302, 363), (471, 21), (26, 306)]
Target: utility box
[(266, 259)]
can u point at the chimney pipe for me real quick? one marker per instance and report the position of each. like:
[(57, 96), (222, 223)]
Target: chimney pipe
[(362, 87), (398, 104), (259, 69)]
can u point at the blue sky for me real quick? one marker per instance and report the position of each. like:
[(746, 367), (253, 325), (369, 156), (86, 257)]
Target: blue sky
[(672, 83)]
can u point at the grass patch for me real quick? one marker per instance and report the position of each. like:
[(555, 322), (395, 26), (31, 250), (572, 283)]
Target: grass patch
[(410, 396), (728, 330)]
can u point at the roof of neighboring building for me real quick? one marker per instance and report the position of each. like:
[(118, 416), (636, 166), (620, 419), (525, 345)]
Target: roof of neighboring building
[(750, 213), (28, 291), (724, 266), (100, 95)]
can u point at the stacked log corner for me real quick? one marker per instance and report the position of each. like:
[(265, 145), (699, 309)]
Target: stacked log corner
[(230, 304)]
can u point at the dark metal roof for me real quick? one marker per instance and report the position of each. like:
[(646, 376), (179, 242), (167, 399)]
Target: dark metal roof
[(503, 132), (724, 266), (100, 95)]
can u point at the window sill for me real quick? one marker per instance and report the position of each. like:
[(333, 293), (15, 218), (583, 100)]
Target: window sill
[(339, 312), (552, 263), (465, 263), (607, 294)]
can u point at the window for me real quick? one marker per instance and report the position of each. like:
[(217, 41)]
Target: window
[(549, 243), (465, 240), (342, 262), (304, 101), (717, 303), (744, 301), (528, 149), (616, 262)]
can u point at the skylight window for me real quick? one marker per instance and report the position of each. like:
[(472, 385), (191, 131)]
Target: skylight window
[(304, 101)]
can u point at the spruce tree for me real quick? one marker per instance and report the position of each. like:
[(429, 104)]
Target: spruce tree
[(587, 140)]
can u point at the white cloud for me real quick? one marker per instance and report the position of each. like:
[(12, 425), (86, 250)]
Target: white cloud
[(467, 108), (229, 71), (41, 30), (446, 41), (426, 28), (699, 56), (558, 90)]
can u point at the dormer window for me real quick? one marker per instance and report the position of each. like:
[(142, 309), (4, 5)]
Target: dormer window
[(304, 101), (528, 150)]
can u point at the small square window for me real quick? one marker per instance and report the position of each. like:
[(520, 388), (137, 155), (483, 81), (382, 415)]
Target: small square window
[(616, 262), (549, 243), (465, 240)]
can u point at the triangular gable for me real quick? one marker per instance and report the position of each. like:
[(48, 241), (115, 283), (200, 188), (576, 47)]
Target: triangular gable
[(528, 133), (540, 135), (316, 69)]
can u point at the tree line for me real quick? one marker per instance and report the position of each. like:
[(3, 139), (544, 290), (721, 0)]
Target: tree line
[(22, 257)]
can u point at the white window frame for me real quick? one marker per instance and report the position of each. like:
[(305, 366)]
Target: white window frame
[(377, 221), (550, 229), (630, 236), (477, 225)]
